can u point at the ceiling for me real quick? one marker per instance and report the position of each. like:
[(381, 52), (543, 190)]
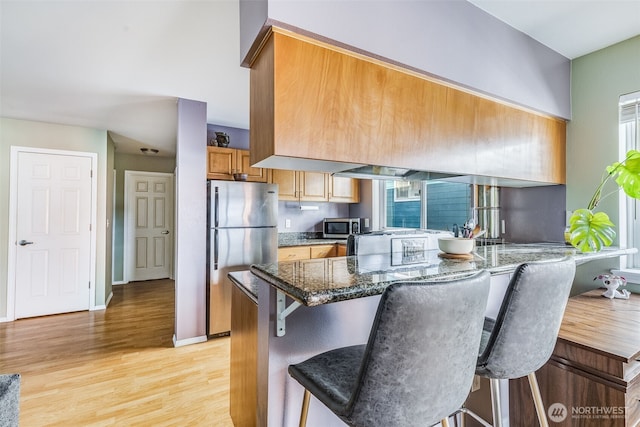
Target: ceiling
[(121, 65), (570, 27)]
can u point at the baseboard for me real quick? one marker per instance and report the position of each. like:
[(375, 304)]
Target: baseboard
[(105, 305), (118, 283), (5, 319), (109, 299), (188, 341)]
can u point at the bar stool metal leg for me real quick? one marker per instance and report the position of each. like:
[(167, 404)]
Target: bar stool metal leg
[(495, 402), (537, 399), (466, 411), (305, 408)]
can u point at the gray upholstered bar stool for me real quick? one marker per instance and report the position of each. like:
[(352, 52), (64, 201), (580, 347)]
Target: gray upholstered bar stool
[(9, 399), (418, 364), (522, 337)]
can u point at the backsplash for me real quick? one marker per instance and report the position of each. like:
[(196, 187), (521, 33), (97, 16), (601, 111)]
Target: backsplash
[(288, 239), (308, 220), (535, 214)]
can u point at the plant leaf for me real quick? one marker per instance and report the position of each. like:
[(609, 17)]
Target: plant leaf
[(627, 173), (589, 231)]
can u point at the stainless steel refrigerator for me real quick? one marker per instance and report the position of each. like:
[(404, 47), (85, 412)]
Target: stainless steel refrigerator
[(242, 230)]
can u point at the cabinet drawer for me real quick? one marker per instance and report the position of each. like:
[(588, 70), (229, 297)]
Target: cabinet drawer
[(293, 253), (323, 251)]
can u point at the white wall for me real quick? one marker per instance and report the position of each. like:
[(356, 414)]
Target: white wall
[(453, 40), (598, 80), (53, 136)]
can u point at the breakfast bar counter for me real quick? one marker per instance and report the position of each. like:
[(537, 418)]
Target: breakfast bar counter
[(306, 307), (321, 281)]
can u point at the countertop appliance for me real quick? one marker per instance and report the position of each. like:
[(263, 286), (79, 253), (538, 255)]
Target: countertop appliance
[(341, 228), (242, 230), (393, 249)]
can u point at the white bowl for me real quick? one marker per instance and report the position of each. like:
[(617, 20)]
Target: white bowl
[(456, 245)]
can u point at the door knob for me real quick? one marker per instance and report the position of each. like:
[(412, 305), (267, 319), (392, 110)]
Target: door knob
[(164, 232), (24, 243)]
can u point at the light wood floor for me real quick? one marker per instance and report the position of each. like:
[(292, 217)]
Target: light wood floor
[(117, 367)]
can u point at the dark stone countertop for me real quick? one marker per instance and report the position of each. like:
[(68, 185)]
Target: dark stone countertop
[(305, 239), (326, 280), (246, 282)]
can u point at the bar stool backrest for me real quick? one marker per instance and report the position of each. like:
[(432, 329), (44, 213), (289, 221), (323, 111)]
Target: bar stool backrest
[(421, 354), (527, 325)]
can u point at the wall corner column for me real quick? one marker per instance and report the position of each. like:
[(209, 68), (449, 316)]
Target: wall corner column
[(190, 223)]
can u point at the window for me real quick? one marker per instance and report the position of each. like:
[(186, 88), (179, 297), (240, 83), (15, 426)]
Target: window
[(435, 205), (630, 140), (405, 191)]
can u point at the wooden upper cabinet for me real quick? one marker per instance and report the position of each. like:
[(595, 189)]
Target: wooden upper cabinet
[(244, 165), (312, 100), (287, 181), (223, 162), (314, 187), (342, 189)]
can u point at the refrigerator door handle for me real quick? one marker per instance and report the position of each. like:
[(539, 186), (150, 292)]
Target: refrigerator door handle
[(216, 207), (215, 249)]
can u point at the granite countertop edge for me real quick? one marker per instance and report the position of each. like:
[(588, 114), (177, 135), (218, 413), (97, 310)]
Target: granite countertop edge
[(311, 242), (312, 238), (358, 285), (315, 298), (247, 282)]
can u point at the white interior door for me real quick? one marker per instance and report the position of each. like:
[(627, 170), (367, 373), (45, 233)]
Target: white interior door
[(149, 214), (53, 234)]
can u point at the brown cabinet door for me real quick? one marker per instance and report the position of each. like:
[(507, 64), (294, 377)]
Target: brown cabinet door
[(323, 251), (221, 163), (244, 166), (343, 190), (293, 253), (287, 184), (313, 187)]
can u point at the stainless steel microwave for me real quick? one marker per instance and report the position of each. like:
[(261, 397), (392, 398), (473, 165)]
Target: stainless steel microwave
[(340, 228)]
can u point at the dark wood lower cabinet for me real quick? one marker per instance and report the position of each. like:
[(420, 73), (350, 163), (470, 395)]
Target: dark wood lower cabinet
[(244, 351), (576, 398), (593, 376)]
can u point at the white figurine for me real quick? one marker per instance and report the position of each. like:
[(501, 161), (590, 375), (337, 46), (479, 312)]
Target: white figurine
[(612, 283)]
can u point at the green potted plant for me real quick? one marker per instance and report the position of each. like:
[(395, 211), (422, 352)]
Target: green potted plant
[(591, 231)]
